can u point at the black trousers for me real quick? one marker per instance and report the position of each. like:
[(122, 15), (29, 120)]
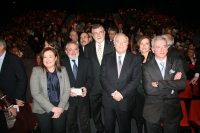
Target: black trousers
[(168, 127), (83, 114), (3, 124), (48, 124), (123, 119), (95, 101)]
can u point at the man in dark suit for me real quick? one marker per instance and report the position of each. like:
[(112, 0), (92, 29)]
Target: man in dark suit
[(84, 40), (81, 78), (163, 77), (119, 78), (95, 51), (174, 53), (13, 79)]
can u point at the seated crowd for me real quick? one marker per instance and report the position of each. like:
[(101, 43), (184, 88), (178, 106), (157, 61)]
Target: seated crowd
[(61, 70)]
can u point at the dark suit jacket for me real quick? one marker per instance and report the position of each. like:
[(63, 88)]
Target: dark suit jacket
[(84, 78), (13, 79), (157, 97), (90, 52), (174, 53), (126, 84), (81, 52), (197, 64)]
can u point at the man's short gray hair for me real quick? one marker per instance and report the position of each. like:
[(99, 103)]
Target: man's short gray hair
[(3, 42), (157, 38), (169, 38)]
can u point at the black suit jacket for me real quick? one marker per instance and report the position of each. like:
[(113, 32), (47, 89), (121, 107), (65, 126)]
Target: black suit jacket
[(174, 53), (126, 84), (90, 52), (197, 64), (84, 78), (13, 79), (159, 97), (81, 52)]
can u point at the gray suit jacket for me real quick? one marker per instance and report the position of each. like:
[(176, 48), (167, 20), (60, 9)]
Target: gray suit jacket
[(38, 85)]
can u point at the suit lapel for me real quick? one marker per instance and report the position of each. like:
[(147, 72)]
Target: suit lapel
[(80, 63), (69, 69), (156, 69), (167, 69), (106, 48), (114, 65), (4, 64), (44, 81), (94, 52), (60, 78), (124, 65)]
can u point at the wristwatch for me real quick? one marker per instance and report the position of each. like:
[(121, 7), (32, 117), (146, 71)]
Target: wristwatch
[(157, 84)]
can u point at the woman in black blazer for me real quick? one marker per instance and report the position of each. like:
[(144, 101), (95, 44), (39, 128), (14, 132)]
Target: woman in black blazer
[(144, 49)]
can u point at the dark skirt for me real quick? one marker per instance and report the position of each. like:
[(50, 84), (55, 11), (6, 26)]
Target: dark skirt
[(139, 105)]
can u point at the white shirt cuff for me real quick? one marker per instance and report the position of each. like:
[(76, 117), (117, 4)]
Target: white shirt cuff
[(196, 75)]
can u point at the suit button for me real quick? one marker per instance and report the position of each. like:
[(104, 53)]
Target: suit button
[(117, 83)]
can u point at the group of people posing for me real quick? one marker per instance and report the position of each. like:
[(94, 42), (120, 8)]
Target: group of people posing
[(144, 85)]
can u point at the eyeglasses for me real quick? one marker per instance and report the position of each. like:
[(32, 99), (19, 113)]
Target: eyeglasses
[(96, 33)]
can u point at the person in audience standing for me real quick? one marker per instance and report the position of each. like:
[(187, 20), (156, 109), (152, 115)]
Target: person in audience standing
[(119, 75), (144, 50), (95, 52), (162, 77), (50, 89), (81, 77)]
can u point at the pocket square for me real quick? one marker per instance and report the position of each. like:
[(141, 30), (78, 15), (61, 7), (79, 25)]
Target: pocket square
[(171, 71)]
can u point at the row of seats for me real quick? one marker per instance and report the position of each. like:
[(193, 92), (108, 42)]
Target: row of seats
[(188, 92)]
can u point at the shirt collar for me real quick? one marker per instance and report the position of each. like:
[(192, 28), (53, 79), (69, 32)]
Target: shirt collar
[(3, 55)]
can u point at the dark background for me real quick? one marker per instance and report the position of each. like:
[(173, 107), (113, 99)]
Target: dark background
[(185, 10)]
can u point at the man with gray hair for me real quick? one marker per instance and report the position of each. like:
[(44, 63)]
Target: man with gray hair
[(163, 77), (174, 53)]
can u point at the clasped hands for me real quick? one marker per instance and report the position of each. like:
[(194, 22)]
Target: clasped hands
[(117, 96), (57, 112), (73, 94)]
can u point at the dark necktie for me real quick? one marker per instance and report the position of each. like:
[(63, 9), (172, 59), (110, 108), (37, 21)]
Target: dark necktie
[(75, 69)]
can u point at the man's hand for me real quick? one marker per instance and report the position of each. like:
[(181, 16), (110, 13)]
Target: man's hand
[(20, 103), (178, 76), (154, 84), (84, 92), (194, 80), (117, 96), (72, 94), (12, 111)]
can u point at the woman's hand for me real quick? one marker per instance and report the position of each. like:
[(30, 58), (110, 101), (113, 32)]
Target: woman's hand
[(57, 112)]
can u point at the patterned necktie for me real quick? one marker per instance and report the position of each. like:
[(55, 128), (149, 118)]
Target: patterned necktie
[(162, 69), (99, 53), (75, 69), (119, 65)]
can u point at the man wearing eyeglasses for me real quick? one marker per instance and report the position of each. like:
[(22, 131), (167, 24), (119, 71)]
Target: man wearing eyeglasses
[(95, 51)]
